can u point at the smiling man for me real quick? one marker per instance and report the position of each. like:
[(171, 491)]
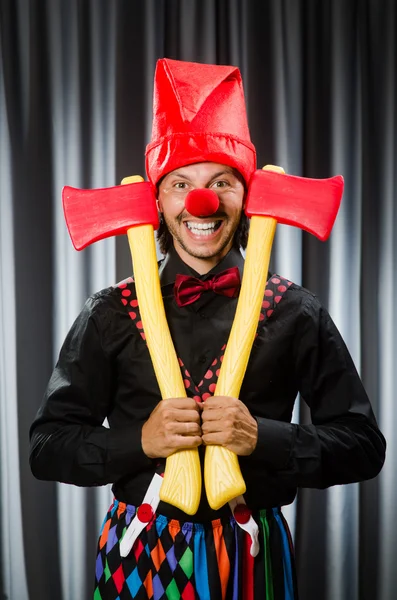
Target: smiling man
[(200, 141), (202, 242)]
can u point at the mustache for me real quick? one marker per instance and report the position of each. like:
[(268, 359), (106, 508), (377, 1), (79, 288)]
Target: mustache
[(184, 215)]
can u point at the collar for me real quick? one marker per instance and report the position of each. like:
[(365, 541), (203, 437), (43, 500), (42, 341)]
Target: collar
[(173, 264)]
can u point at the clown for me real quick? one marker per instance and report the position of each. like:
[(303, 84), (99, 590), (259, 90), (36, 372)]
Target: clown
[(200, 141)]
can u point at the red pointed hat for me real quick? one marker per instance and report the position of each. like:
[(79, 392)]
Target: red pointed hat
[(198, 115)]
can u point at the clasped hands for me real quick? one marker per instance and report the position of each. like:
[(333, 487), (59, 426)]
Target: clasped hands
[(183, 423)]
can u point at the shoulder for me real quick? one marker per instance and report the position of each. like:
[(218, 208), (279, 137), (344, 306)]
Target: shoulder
[(105, 317), (106, 304), (307, 299), (298, 308), (118, 290), (294, 294), (309, 318), (116, 298)]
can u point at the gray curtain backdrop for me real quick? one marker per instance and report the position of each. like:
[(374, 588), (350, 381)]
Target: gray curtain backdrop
[(75, 109)]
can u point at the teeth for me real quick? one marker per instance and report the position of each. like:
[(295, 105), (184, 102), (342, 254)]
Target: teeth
[(201, 228), (193, 225)]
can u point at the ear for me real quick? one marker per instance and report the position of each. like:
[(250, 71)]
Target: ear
[(159, 204)]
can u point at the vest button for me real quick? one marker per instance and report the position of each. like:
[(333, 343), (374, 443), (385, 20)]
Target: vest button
[(242, 513), (145, 513)]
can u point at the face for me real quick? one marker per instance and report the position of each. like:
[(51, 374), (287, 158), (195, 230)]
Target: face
[(202, 242)]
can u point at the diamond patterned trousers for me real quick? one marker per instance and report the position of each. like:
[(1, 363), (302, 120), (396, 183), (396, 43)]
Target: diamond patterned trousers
[(174, 560)]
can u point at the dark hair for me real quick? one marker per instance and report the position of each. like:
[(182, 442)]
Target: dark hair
[(240, 238)]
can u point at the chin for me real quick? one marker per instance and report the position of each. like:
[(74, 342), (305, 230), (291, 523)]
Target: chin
[(208, 253)]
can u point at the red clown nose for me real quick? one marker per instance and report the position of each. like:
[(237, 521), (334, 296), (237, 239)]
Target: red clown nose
[(202, 202)]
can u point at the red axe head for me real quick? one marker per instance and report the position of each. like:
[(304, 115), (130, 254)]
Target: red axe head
[(93, 215), (311, 204)]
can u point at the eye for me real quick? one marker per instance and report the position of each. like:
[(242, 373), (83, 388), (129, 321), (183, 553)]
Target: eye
[(181, 185), (220, 184)]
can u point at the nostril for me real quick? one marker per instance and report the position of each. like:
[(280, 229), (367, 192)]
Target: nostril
[(202, 202)]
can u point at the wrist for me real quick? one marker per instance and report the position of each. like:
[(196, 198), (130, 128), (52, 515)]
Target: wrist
[(145, 446), (275, 440), (254, 435)]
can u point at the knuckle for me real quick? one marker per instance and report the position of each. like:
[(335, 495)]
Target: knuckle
[(166, 414), (168, 427), (229, 437), (192, 441), (232, 414)]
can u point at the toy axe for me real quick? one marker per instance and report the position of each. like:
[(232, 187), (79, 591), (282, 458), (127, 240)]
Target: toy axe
[(310, 204), (95, 214), (92, 215)]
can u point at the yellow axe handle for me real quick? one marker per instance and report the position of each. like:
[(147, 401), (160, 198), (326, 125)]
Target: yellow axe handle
[(222, 474), (182, 477)]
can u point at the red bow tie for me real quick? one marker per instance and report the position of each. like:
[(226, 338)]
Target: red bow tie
[(188, 289)]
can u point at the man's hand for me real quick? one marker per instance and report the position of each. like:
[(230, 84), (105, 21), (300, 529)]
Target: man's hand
[(227, 422), (173, 424)]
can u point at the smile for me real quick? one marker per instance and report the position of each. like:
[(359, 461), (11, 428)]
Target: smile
[(204, 229)]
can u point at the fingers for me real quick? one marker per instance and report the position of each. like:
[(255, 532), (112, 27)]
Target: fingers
[(227, 422), (175, 442), (178, 423), (174, 424), (182, 428), (220, 403), (175, 415), (180, 409), (215, 426), (214, 414), (185, 416), (186, 442), (224, 410), (180, 404), (218, 438)]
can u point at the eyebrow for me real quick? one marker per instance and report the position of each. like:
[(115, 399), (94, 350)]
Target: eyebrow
[(223, 172), (214, 176), (177, 174)]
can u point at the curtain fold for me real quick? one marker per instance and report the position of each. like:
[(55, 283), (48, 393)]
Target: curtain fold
[(12, 549), (82, 96), (76, 80)]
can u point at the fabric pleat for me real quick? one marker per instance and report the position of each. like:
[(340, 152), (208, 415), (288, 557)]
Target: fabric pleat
[(173, 560), (288, 581), (266, 558)]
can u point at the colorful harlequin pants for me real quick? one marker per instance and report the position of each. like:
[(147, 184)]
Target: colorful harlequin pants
[(174, 560)]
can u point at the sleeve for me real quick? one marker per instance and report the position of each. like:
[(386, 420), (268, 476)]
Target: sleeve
[(68, 441), (343, 443)]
